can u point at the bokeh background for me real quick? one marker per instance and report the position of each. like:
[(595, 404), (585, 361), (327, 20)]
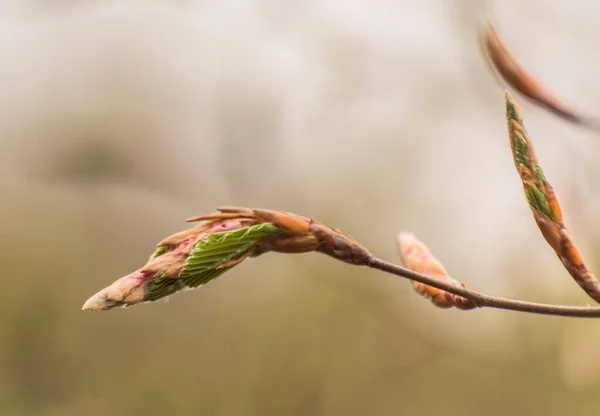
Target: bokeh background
[(118, 119)]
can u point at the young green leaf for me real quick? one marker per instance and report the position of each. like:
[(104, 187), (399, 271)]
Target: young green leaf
[(194, 257)]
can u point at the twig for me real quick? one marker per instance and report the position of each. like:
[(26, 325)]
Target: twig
[(482, 300), (200, 252)]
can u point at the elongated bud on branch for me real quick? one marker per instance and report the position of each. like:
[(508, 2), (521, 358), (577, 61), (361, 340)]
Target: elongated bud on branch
[(196, 256), (416, 256), (505, 65), (544, 204), (186, 260)]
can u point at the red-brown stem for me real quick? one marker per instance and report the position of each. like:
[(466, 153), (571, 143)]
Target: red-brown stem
[(482, 300)]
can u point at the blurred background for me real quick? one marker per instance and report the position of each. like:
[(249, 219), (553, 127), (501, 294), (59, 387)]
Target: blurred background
[(118, 119)]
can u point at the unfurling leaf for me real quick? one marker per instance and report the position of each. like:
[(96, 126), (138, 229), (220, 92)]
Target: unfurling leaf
[(194, 257), (416, 256), (504, 64), (544, 203)]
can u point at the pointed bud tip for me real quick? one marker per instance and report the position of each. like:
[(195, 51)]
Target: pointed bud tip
[(406, 236), (95, 303), (405, 239)]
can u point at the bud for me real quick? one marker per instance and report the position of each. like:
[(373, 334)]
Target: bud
[(185, 260), (416, 256), (544, 204), (196, 256)]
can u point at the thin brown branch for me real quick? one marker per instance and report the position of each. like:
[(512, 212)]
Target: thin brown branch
[(482, 300), (198, 255)]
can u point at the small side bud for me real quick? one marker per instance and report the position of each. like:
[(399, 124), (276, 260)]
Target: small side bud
[(416, 256)]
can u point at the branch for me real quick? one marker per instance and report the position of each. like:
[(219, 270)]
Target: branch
[(222, 240), (196, 256), (481, 300)]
